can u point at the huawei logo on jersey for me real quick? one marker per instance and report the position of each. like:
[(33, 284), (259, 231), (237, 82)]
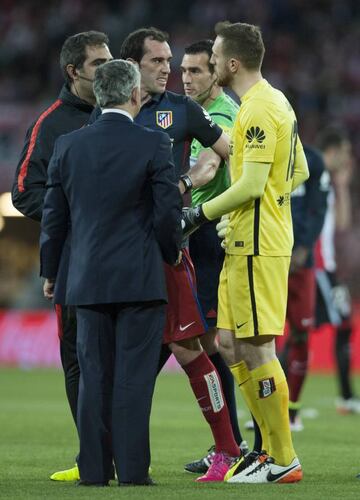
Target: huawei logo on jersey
[(255, 133)]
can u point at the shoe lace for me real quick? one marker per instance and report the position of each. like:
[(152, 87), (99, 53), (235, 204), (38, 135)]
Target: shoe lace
[(210, 456), (262, 465), (222, 458), (211, 451), (248, 459)]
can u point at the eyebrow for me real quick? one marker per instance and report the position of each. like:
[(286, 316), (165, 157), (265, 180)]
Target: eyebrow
[(190, 68), (162, 58), (100, 60)]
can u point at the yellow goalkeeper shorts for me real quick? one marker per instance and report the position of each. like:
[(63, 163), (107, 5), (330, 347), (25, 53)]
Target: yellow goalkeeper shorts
[(253, 295)]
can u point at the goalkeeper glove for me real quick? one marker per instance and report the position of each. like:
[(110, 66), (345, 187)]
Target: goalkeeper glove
[(222, 227), (192, 218)]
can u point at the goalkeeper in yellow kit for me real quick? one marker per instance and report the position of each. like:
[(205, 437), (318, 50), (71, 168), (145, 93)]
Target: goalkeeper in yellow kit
[(267, 162)]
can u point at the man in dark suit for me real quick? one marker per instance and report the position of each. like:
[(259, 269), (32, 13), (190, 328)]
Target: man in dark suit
[(115, 182)]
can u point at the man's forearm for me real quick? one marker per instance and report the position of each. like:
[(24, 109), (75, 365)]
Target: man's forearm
[(301, 170), (250, 186), (203, 171), (343, 208)]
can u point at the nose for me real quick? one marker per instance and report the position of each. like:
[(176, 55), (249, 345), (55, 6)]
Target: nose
[(166, 67), (186, 77), (212, 59)]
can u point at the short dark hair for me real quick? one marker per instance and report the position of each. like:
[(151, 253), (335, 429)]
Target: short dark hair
[(133, 45), (202, 47), (331, 136), (243, 41), (74, 49)]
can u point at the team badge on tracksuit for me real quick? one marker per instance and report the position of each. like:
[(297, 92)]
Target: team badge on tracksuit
[(164, 119)]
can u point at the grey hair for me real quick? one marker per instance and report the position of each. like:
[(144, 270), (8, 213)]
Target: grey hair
[(114, 81)]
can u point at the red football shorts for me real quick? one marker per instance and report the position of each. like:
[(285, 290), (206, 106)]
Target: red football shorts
[(183, 314), (301, 299)]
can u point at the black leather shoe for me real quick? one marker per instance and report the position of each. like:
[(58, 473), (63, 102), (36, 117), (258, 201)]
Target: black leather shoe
[(88, 483), (146, 482)]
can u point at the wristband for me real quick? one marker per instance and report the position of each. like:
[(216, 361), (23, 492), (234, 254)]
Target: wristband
[(185, 179)]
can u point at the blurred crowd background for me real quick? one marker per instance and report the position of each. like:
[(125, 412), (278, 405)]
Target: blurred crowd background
[(313, 55)]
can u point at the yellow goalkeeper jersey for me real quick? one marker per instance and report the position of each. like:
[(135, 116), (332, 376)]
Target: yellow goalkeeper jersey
[(265, 131)]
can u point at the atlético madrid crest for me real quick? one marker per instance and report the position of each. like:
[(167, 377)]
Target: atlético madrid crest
[(164, 119)]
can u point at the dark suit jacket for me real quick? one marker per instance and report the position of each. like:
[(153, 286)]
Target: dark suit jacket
[(114, 183)]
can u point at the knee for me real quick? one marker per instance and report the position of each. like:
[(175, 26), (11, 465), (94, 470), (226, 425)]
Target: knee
[(186, 351), (226, 350), (208, 341), (257, 351)]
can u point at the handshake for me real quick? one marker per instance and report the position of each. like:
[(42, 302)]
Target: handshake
[(193, 218)]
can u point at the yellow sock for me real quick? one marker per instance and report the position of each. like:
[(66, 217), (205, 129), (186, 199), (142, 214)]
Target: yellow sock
[(272, 393), (242, 376)]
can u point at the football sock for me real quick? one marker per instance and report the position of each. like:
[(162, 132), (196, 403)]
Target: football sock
[(271, 391), (342, 356), (297, 365), (294, 408), (243, 378), (258, 445), (283, 356), (165, 354), (227, 382), (206, 385)]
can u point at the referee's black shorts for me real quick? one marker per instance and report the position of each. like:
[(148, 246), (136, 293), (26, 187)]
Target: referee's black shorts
[(208, 257)]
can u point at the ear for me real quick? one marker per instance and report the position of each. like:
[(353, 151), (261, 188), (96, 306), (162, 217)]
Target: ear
[(133, 61), (135, 96), (72, 72), (233, 65)]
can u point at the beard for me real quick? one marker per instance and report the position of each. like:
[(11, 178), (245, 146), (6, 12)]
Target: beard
[(224, 78)]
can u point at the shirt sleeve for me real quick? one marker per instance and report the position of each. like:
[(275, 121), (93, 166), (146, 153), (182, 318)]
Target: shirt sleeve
[(167, 201), (224, 121), (28, 189), (55, 220), (200, 124), (260, 132), (317, 189)]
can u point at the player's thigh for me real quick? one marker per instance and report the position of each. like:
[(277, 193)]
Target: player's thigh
[(225, 319), (184, 319), (301, 299), (208, 257)]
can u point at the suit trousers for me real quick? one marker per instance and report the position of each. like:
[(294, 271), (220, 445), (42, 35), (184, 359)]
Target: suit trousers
[(118, 349), (66, 318)]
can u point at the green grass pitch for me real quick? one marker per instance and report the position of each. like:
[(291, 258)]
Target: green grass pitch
[(37, 437)]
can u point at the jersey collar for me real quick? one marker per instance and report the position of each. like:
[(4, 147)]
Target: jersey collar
[(69, 98), (155, 98)]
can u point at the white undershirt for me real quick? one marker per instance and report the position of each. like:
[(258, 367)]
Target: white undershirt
[(116, 110)]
